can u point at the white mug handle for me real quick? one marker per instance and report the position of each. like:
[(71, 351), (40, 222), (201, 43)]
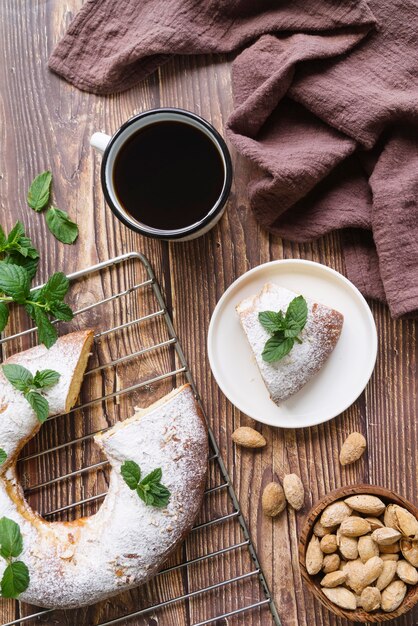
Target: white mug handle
[(99, 141)]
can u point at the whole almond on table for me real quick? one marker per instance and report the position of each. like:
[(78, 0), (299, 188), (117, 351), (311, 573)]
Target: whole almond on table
[(352, 448), (386, 536), (355, 527), (407, 523), (334, 514), (334, 579), (393, 595), (368, 505), (314, 557), (387, 575), (329, 544), (248, 438), (273, 500), (342, 597), (370, 599), (407, 572), (294, 491), (367, 548), (409, 551), (331, 563)]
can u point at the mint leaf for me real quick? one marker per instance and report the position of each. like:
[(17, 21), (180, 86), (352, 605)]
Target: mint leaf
[(3, 238), (61, 226), (297, 314), (154, 476), (14, 282), (15, 580), (18, 376), (3, 456), (144, 494), (29, 263), (276, 348), (55, 289), (4, 315), (40, 191), (39, 404), (131, 473), (61, 311), (46, 378), (47, 333), (160, 494), (11, 542), (271, 321)]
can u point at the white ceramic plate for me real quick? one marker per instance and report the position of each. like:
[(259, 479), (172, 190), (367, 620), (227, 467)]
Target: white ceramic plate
[(342, 378)]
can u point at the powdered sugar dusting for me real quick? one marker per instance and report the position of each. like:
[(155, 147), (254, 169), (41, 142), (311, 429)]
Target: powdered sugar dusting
[(125, 543), (323, 327)]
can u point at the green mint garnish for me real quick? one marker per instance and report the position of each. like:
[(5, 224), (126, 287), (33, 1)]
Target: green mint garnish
[(3, 456), (30, 386), (284, 328), (15, 578), (17, 249), (61, 226), (149, 489), (41, 304), (58, 222), (40, 191)]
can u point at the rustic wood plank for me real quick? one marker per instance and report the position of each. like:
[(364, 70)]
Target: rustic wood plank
[(46, 123)]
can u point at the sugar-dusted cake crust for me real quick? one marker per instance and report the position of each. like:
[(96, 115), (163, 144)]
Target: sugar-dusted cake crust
[(319, 337), (72, 564)]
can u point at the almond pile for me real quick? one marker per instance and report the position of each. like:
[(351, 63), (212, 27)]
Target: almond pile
[(366, 552)]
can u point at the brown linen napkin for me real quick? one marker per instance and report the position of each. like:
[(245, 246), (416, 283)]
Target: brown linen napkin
[(326, 113)]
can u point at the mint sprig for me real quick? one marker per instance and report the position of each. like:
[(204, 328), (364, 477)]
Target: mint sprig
[(149, 489), (58, 222), (41, 304), (15, 578), (17, 249), (3, 456), (284, 328), (23, 380)]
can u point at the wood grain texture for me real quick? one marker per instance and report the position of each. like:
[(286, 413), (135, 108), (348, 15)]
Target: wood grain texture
[(46, 123)]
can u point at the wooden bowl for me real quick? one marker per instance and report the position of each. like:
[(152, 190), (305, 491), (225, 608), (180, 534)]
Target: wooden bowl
[(313, 582)]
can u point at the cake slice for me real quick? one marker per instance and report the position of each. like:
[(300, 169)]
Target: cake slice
[(320, 334)]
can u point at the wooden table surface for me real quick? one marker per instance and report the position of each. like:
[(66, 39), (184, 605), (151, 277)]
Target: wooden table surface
[(45, 122)]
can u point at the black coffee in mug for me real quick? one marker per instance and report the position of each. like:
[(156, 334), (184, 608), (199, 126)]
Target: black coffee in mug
[(168, 175)]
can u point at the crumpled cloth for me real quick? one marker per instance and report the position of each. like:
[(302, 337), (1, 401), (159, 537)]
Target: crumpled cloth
[(326, 105)]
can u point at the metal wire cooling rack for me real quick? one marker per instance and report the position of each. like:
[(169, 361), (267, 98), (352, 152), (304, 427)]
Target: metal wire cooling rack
[(215, 576)]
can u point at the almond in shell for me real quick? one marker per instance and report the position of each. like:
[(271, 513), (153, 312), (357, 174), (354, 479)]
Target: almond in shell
[(334, 579), (393, 595), (314, 556), (329, 544), (334, 514), (409, 550), (368, 505), (248, 438), (342, 597), (386, 536), (407, 523), (370, 599), (348, 546), (294, 491), (352, 448), (355, 527), (367, 548), (372, 570), (407, 573), (387, 574), (321, 531), (331, 563), (273, 500), (374, 522)]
